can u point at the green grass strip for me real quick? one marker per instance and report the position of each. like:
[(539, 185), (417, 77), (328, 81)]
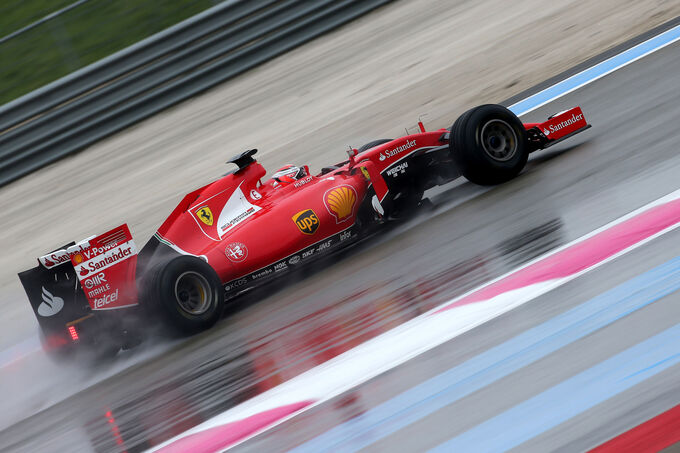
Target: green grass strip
[(78, 37)]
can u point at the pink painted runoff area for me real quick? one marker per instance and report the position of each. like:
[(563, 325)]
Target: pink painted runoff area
[(221, 437), (582, 255)]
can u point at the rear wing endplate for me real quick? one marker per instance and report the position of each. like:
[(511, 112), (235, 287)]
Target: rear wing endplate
[(105, 266)]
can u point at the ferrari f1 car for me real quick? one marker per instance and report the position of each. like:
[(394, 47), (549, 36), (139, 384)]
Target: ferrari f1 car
[(239, 231)]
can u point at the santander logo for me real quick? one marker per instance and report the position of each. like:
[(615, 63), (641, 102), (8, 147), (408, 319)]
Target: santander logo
[(54, 259), (552, 128), (51, 304), (399, 149)]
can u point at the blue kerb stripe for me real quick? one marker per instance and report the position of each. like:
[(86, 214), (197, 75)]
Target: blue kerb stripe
[(596, 72), (498, 362), (572, 397)]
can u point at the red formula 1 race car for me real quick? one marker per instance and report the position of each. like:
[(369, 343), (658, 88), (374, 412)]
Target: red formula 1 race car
[(240, 232)]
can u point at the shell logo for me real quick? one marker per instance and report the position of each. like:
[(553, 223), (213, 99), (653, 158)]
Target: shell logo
[(78, 258), (340, 202)]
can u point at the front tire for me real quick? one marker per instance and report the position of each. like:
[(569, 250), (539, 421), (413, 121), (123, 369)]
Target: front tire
[(488, 144), (188, 294), (373, 144)]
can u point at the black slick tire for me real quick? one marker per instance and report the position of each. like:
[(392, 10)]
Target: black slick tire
[(488, 144), (187, 293), (373, 144)]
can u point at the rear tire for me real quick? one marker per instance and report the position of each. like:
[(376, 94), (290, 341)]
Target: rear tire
[(488, 144), (187, 292)]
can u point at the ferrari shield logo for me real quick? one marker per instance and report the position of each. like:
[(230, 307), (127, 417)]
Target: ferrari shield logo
[(365, 173), (205, 215)]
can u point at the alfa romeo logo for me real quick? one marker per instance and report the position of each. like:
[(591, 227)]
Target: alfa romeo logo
[(236, 252)]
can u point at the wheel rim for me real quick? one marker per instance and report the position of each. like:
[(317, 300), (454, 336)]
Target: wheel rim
[(499, 140), (193, 294)]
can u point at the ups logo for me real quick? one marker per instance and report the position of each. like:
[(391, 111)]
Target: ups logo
[(306, 221)]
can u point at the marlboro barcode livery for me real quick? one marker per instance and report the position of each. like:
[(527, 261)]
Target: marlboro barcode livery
[(242, 231)]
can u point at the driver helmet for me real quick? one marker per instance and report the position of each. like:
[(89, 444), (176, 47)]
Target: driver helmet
[(289, 173)]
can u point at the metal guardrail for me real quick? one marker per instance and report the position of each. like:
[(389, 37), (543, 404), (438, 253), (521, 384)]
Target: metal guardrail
[(169, 67)]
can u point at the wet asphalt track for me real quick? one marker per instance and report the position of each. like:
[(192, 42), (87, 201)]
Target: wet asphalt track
[(628, 158)]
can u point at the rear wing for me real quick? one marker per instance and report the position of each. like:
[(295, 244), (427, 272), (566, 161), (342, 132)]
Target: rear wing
[(106, 266), (71, 284)]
